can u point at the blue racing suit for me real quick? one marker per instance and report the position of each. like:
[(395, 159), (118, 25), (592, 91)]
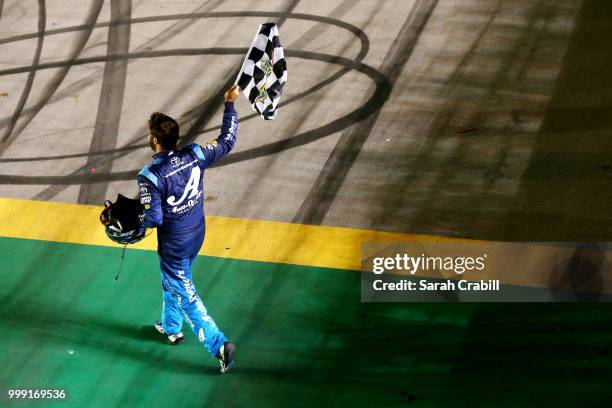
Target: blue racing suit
[(171, 191)]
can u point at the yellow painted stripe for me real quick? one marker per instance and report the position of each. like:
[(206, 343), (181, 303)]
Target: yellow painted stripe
[(266, 241), (256, 240)]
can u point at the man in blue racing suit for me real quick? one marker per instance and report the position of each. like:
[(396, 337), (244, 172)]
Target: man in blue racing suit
[(171, 192)]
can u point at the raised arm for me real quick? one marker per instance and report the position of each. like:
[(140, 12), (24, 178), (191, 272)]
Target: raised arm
[(217, 148)]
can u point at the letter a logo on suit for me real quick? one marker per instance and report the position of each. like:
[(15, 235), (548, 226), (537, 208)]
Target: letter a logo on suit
[(191, 189)]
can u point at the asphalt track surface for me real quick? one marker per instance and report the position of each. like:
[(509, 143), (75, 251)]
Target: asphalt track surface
[(473, 119)]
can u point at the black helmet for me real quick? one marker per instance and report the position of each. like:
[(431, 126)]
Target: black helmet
[(123, 220)]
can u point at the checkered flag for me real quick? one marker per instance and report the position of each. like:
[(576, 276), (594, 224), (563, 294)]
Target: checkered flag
[(264, 71)]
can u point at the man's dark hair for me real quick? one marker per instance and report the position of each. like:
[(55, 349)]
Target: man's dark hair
[(165, 129)]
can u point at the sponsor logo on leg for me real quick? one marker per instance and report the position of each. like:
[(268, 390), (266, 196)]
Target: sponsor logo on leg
[(201, 335)]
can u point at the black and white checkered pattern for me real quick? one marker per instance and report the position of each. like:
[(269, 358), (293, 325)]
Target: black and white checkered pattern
[(264, 71)]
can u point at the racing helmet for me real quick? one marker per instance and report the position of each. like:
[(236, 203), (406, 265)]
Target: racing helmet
[(123, 220)]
